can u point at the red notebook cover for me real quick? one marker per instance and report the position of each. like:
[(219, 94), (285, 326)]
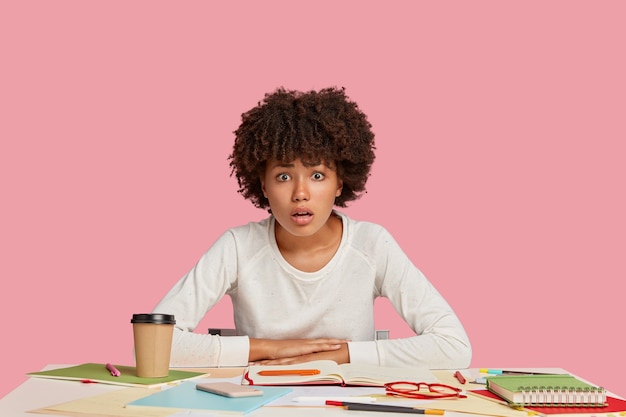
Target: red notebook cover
[(615, 405)]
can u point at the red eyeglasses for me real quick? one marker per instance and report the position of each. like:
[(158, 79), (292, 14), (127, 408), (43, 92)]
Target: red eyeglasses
[(422, 390)]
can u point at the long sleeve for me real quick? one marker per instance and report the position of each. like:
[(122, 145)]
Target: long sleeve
[(189, 300), (440, 341)]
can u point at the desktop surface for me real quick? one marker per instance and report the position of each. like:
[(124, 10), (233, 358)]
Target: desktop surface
[(37, 393)]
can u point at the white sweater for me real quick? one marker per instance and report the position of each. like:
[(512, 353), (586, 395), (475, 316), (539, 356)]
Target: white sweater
[(272, 299)]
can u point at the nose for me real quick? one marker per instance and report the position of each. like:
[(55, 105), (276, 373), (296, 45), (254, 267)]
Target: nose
[(300, 191)]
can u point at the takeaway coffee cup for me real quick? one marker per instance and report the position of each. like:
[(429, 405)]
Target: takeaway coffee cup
[(153, 344)]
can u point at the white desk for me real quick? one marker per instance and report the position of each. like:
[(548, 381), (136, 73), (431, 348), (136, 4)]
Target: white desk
[(37, 393)]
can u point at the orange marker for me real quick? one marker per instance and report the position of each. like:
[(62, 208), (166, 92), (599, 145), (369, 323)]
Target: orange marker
[(281, 372)]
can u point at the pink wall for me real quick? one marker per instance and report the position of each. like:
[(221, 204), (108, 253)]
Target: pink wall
[(501, 145)]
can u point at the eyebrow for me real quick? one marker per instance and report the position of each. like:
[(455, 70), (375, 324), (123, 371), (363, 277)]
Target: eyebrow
[(281, 165), (306, 164)]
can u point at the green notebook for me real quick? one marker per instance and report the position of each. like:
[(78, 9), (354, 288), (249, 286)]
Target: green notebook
[(546, 390), (97, 372)]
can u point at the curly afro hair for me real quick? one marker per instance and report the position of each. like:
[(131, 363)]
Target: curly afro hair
[(316, 126)]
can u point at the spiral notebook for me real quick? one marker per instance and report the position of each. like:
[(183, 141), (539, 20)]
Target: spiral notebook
[(615, 406), (547, 390)]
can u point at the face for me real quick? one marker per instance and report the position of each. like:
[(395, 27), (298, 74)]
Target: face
[(301, 196)]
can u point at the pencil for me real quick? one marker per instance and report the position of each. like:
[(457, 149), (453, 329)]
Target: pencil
[(384, 408), (508, 372)]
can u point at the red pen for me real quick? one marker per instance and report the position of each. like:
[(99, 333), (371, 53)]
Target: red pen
[(458, 375), (88, 381)]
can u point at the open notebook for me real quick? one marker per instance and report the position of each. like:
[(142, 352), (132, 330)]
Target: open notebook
[(330, 373)]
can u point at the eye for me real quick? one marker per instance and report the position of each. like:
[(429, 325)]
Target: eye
[(283, 177), (318, 176)]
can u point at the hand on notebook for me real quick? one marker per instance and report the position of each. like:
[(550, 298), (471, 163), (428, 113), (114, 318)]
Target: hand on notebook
[(338, 354), (277, 352)]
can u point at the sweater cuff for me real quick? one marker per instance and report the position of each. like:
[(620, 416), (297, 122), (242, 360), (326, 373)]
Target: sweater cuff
[(234, 350), (364, 353)]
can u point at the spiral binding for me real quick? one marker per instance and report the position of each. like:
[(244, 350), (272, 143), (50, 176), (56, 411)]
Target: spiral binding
[(563, 396)]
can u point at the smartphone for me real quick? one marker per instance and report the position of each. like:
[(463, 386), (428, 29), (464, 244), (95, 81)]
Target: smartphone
[(228, 389)]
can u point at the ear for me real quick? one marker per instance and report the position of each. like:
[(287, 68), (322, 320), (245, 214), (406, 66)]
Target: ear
[(339, 188), (263, 187)]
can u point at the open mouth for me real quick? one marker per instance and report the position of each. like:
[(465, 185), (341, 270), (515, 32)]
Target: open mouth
[(301, 212), (301, 216)]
